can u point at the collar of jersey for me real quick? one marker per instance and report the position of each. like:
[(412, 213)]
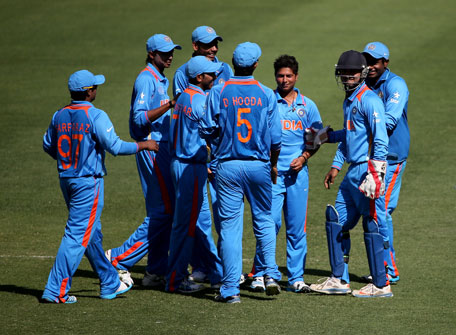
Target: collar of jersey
[(299, 98), (242, 77), (360, 87), (196, 88), (159, 75), (77, 102)]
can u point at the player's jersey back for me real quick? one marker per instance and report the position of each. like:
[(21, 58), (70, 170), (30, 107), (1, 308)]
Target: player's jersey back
[(77, 152), (249, 123), (185, 142)]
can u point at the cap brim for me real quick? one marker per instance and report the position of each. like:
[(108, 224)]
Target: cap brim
[(214, 67), (210, 39), (99, 79), (168, 49)]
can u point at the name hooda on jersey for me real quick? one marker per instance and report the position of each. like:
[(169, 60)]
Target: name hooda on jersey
[(244, 101)]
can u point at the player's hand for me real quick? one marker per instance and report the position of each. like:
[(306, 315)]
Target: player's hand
[(210, 175), (297, 164), (316, 137), (148, 145), (330, 177), (373, 186), (274, 174), (173, 102)]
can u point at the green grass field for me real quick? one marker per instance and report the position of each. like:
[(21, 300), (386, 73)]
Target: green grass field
[(43, 42)]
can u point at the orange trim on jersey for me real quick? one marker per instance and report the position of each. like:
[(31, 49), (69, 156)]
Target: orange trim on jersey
[(63, 289), (360, 93), (85, 108), (396, 271), (391, 186), (117, 259), (93, 215), (162, 185), (241, 82), (191, 92), (194, 213), (148, 69)]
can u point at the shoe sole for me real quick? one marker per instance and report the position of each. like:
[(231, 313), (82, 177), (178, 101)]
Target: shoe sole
[(386, 295), (257, 289), (331, 291), (115, 294)]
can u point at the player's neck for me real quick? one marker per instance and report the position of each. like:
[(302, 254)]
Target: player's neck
[(289, 97)]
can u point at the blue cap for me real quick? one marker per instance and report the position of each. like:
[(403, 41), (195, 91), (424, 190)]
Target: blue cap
[(377, 50), (205, 34), (162, 43), (200, 64), (83, 80), (246, 54)]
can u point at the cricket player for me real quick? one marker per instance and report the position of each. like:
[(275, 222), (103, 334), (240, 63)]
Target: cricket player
[(150, 119), (243, 114), (205, 43), (77, 138), (363, 143), (394, 93), (290, 194), (192, 219)]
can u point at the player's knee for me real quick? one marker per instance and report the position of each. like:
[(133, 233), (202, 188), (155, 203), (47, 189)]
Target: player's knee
[(332, 215), (370, 225)]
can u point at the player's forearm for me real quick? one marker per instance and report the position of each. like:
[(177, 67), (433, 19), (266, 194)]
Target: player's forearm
[(155, 113)]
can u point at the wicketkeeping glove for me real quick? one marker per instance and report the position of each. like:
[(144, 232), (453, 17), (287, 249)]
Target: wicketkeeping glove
[(373, 186), (315, 137)]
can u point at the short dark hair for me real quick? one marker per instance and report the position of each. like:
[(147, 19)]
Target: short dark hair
[(78, 95), (286, 61)]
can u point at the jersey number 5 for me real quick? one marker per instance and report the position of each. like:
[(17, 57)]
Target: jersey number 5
[(240, 122), (67, 154)]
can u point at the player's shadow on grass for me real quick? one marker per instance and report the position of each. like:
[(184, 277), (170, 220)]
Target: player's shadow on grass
[(21, 290)]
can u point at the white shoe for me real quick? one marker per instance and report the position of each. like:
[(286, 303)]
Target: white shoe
[(257, 284), (189, 286), (331, 285), (272, 286), (298, 287), (372, 291), (198, 277), (125, 277), (121, 290), (242, 279), (152, 280)]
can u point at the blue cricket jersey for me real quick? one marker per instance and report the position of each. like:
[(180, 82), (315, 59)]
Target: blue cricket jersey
[(180, 80), (394, 93), (185, 141), (364, 134), (150, 91), (77, 138), (302, 114), (243, 113)]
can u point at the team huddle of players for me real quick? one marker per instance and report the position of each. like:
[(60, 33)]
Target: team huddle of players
[(258, 142)]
